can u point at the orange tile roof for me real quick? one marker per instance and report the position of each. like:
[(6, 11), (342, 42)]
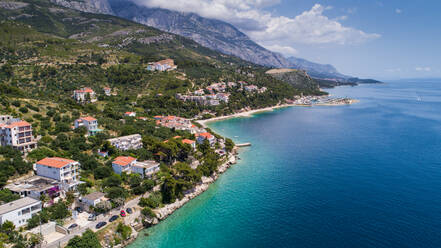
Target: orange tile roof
[(124, 161), (205, 135), (55, 162), (177, 137), (85, 90), (88, 118), (187, 141), (18, 124)]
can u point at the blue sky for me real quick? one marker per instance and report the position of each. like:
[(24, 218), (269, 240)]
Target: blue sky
[(386, 39), (409, 44)]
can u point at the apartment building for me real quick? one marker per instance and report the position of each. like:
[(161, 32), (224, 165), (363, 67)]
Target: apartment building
[(90, 123), (16, 133), (130, 142), (63, 170), (20, 211)]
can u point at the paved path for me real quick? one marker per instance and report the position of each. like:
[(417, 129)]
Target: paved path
[(91, 225)]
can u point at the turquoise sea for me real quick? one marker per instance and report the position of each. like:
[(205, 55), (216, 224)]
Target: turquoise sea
[(365, 175)]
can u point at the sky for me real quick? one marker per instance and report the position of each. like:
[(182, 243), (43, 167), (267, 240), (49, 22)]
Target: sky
[(382, 39)]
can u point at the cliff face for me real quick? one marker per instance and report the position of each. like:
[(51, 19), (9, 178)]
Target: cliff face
[(91, 6), (214, 34)]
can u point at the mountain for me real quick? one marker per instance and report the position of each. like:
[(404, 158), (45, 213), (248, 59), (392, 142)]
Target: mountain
[(297, 78), (214, 34), (316, 70), (91, 6)]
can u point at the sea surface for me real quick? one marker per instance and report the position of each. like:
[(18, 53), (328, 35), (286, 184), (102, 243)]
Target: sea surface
[(365, 175)]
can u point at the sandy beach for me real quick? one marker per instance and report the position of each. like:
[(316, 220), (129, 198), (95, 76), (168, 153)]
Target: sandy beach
[(243, 114)]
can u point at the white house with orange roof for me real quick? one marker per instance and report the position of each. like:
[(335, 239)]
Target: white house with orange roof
[(82, 94), (90, 123), (192, 143), (123, 164), (17, 133), (130, 114), (64, 170), (107, 91), (201, 137)]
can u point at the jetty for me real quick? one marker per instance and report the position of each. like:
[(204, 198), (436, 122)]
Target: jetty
[(243, 145)]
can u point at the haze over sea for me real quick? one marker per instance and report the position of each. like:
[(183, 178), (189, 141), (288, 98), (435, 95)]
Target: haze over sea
[(365, 175)]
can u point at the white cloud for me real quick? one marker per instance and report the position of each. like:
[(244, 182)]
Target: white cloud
[(286, 50), (267, 29), (423, 69), (398, 11)]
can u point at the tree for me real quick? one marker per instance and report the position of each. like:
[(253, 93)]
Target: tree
[(124, 231), (168, 190), (87, 240), (229, 144), (7, 196)]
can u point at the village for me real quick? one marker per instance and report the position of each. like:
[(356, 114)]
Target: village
[(56, 180)]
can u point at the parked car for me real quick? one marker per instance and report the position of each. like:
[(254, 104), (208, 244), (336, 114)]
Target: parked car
[(72, 226), (122, 213), (113, 218), (101, 224), (91, 217), (79, 209), (129, 211)]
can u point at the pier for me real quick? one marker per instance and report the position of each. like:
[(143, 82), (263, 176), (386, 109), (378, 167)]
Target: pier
[(243, 145)]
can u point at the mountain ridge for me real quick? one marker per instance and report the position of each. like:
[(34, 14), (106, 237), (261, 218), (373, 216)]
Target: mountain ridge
[(211, 33)]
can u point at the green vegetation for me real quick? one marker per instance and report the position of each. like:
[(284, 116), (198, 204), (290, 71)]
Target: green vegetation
[(87, 240)]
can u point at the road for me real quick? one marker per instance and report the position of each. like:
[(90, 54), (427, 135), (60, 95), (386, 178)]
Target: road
[(91, 225)]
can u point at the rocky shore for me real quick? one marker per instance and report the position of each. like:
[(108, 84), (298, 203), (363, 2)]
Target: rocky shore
[(168, 209)]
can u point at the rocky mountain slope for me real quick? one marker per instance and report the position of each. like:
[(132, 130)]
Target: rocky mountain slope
[(211, 33), (297, 78), (91, 6), (214, 34)]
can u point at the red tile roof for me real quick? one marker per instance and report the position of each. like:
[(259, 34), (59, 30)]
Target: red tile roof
[(187, 141), (55, 162), (18, 124), (85, 90), (124, 161), (88, 118), (205, 135)]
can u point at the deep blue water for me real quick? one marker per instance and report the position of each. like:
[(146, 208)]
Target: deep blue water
[(365, 175)]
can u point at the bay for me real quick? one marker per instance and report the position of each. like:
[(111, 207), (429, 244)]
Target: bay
[(364, 175)]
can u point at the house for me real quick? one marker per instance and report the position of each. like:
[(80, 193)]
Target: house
[(107, 91), (20, 211), (63, 170), (123, 164), (145, 168), (163, 65), (251, 88), (192, 143), (131, 165), (130, 114), (90, 123), (201, 137), (130, 142), (16, 133), (92, 199), (35, 186), (84, 95)]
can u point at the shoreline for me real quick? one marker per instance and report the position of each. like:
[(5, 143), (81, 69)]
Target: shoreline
[(250, 113), (245, 114), (169, 209)]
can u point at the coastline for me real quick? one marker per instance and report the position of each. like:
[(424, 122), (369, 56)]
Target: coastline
[(168, 209), (248, 113)]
